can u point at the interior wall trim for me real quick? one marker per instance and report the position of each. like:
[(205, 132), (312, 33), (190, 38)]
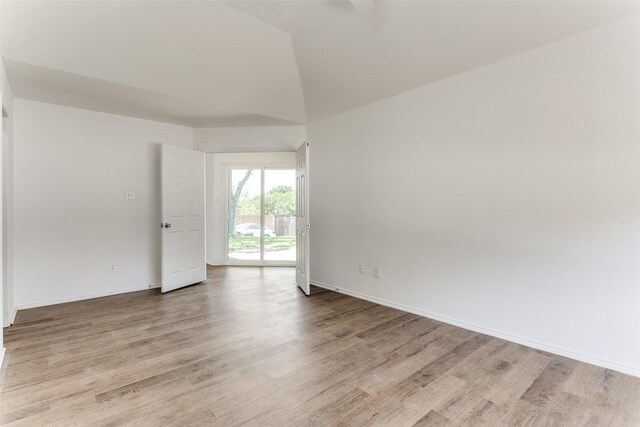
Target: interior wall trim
[(44, 303), (608, 364)]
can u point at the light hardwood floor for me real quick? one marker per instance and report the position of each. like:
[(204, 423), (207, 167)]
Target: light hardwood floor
[(249, 348)]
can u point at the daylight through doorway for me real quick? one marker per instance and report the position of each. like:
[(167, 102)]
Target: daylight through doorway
[(261, 212)]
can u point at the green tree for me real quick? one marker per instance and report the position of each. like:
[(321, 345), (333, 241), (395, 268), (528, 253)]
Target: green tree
[(249, 207), (280, 201)]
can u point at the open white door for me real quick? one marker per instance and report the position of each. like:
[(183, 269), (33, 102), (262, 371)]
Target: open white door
[(302, 217), (183, 229)]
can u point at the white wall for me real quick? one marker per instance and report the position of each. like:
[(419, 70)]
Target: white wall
[(7, 304), (72, 169), (249, 139), (4, 87), (505, 199), (217, 165), (6, 132)]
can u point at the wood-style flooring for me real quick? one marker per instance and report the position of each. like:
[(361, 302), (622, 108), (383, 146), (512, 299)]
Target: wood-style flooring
[(248, 348)]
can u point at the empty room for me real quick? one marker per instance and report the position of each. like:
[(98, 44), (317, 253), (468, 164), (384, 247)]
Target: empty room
[(320, 212)]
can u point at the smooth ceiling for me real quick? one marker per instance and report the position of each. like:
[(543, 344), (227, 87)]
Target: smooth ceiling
[(245, 63), (349, 59), (198, 63)]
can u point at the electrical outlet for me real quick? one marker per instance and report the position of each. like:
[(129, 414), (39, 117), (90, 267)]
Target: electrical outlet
[(112, 268), (376, 272), (130, 195), (361, 268)]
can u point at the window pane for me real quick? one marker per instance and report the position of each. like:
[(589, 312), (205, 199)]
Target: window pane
[(244, 214), (280, 215)]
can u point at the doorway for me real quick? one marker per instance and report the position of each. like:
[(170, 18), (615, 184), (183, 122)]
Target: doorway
[(261, 216)]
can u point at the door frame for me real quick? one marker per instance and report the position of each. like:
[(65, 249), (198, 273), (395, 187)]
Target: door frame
[(262, 166)]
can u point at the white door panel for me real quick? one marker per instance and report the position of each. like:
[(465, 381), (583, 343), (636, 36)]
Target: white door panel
[(302, 218), (183, 238)]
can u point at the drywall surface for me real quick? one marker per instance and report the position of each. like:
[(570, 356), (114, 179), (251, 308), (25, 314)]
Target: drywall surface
[(6, 131), (72, 222), (8, 309), (195, 62), (249, 139), (217, 166), (505, 199)]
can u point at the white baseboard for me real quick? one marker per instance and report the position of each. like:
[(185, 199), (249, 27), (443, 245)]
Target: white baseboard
[(2, 356), (608, 364), (12, 317), (85, 296)]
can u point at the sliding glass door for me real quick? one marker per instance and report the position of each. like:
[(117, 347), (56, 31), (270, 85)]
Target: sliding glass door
[(243, 215), (261, 216), (280, 214)]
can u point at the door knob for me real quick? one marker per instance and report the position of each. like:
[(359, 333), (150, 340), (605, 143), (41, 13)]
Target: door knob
[(167, 225)]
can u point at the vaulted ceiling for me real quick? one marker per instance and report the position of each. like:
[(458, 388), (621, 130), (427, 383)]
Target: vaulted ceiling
[(348, 59), (246, 63), (192, 63)]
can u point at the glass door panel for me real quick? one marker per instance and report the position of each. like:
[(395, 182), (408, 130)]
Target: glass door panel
[(280, 215), (244, 214)]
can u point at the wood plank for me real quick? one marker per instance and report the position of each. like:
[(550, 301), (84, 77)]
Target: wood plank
[(248, 348)]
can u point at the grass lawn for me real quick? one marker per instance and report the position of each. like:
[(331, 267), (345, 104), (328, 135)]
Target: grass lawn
[(239, 243)]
